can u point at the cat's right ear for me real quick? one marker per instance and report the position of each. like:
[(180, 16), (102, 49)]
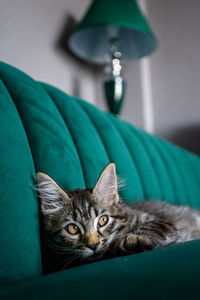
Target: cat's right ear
[(52, 197), (106, 189)]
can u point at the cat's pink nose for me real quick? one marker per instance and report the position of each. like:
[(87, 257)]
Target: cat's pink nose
[(93, 246)]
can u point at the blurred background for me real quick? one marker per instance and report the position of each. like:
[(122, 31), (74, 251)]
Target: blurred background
[(33, 35)]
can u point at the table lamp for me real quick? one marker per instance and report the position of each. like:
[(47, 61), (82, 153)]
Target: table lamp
[(113, 31)]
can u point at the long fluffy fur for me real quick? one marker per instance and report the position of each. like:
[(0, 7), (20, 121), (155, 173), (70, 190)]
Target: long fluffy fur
[(49, 195)]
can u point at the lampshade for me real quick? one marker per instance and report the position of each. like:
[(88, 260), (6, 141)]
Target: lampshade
[(110, 19)]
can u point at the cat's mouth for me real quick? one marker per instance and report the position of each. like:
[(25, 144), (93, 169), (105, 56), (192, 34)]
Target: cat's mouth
[(88, 253)]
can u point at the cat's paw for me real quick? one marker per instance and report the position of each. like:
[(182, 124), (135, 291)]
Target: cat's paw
[(135, 243)]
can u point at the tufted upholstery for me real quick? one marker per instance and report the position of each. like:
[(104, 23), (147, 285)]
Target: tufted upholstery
[(44, 129)]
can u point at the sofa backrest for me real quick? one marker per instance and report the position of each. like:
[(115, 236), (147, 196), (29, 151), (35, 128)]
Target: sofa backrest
[(44, 129)]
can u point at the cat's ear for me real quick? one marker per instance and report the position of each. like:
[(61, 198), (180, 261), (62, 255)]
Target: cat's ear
[(52, 197), (106, 190)]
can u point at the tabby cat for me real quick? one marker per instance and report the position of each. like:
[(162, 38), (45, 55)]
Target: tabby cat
[(86, 225)]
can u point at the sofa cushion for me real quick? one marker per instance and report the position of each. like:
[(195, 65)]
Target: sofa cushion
[(19, 226), (72, 141), (170, 273)]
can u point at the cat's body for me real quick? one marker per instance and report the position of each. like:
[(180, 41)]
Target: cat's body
[(96, 224)]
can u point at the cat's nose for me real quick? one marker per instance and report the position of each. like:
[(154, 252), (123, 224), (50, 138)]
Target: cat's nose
[(93, 246)]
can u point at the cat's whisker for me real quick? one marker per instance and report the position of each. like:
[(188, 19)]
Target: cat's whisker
[(80, 251), (61, 261), (56, 248), (73, 258), (52, 245), (53, 248)]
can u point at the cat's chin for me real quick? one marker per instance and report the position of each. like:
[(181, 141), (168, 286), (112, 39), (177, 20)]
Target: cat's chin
[(93, 258), (87, 253)]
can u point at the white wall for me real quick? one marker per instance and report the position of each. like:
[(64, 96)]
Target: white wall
[(175, 68), (29, 30)]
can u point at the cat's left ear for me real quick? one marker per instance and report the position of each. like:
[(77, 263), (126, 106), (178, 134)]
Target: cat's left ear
[(52, 197), (106, 190)]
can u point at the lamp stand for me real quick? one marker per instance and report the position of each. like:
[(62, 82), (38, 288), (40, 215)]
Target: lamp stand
[(114, 85)]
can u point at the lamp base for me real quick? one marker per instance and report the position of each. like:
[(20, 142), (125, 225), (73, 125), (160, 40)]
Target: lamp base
[(114, 89)]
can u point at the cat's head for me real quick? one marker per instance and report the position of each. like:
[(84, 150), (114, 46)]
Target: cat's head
[(82, 221)]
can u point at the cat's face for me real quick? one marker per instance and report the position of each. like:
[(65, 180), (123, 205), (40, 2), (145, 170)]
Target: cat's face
[(84, 222)]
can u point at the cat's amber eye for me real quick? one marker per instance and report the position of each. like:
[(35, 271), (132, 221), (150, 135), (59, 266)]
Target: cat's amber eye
[(103, 220), (72, 229)]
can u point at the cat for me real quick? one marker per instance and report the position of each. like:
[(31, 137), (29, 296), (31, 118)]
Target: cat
[(94, 224)]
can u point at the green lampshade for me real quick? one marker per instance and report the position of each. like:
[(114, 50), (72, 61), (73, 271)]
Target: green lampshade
[(107, 19)]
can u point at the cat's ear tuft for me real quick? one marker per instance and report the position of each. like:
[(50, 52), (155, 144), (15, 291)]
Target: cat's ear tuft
[(106, 190), (50, 194)]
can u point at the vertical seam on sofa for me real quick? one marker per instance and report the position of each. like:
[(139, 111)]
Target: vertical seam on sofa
[(197, 174), (193, 174), (161, 159), (157, 145), (144, 148), (180, 174), (33, 163), (134, 161), (98, 132), (21, 121), (181, 178), (70, 131), (139, 176)]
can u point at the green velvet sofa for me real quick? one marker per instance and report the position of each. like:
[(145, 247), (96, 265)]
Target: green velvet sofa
[(41, 128)]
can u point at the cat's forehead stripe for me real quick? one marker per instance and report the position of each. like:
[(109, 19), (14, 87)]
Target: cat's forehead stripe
[(93, 212), (82, 206)]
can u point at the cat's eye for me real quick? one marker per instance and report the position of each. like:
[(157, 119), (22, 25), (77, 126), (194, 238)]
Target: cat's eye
[(72, 229), (103, 220)]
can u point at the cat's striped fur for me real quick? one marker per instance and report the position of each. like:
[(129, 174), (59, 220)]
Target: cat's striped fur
[(85, 225)]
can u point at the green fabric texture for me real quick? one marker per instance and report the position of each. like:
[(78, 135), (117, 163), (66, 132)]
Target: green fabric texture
[(162, 274), (19, 239), (44, 129)]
